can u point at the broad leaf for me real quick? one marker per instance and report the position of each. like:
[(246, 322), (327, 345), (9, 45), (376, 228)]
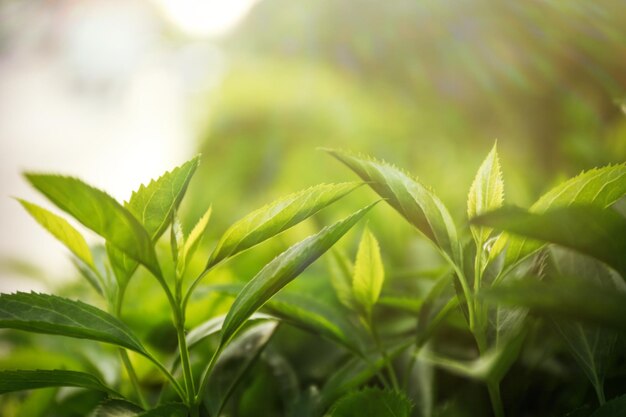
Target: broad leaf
[(153, 204), (372, 402), (368, 272), (416, 203), (486, 194), (62, 230), (565, 298), (42, 313), (11, 381), (306, 313), (284, 268), (100, 213), (590, 230), (233, 363), (600, 187), (276, 217), (214, 325)]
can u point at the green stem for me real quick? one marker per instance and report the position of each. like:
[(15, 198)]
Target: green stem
[(184, 357), (132, 375), (392, 373), (204, 380), (496, 400)]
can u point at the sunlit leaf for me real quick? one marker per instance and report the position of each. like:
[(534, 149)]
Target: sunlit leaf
[(372, 402), (341, 273), (42, 313), (486, 194), (590, 230), (368, 272), (11, 381), (284, 268), (600, 187), (276, 217), (416, 203), (192, 241), (153, 205), (101, 213), (62, 230)]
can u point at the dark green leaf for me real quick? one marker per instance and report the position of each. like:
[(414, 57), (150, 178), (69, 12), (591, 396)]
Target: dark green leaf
[(372, 402), (614, 408), (587, 229), (100, 213), (284, 268), (117, 408), (233, 363), (42, 313), (166, 410), (276, 217), (11, 381)]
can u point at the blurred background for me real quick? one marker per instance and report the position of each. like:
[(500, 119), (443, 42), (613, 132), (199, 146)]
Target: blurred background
[(118, 91)]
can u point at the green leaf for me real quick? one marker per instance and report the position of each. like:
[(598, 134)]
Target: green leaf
[(62, 230), (600, 187), (11, 381), (372, 402), (591, 346), (193, 240), (283, 269), (306, 313), (416, 203), (590, 230), (614, 408), (369, 274), (233, 363), (277, 217), (166, 410), (101, 213), (117, 408), (565, 298), (486, 194), (42, 313), (341, 273), (153, 204)]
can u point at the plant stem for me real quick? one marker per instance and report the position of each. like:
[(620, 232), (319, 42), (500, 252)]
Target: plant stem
[(204, 379), (184, 357), (496, 401), (132, 375), (392, 373)]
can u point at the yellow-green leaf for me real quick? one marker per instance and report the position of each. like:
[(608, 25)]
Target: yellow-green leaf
[(486, 193), (62, 230), (369, 273)]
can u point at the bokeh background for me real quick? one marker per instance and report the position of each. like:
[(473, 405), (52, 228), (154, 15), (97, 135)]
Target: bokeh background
[(117, 91)]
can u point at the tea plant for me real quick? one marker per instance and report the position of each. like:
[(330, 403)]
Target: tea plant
[(130, 231), (562, 260)]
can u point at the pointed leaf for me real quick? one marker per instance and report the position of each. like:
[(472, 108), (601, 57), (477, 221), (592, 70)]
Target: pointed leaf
[(101, 213), (373, 402), (600, 187), (62, 230), (486, 194), (11, 381), (283, 269), (416, 203), (193, 240), (368, 272), (341, 272), (154, 203), (590, 230), (42, 313), (276, 217)]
